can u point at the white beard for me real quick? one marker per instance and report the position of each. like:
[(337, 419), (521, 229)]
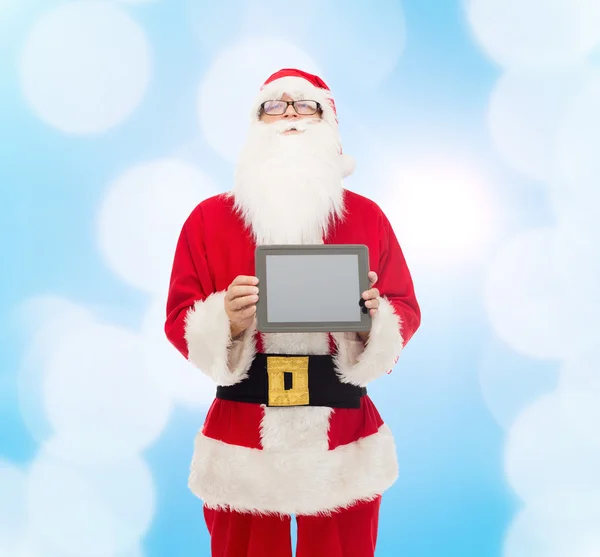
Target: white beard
[(288, 188)]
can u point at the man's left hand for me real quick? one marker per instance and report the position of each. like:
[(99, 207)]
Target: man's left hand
[(371, 302)]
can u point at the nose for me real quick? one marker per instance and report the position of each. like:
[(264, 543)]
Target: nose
[(290, 112)]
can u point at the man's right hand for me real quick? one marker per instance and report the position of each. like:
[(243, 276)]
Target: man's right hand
[(240, 303)]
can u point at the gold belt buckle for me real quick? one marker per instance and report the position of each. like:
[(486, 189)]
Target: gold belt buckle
[(297, 367)]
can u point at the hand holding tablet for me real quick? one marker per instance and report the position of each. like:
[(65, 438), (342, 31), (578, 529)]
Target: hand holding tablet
[(314, 288), (370, 297), (240, 303), (369, 303)]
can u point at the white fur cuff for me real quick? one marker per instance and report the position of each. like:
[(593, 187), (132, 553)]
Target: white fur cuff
[(360, 366), (210, 346)]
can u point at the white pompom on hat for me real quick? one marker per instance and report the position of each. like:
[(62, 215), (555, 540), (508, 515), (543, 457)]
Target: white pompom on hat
[(304, 86)]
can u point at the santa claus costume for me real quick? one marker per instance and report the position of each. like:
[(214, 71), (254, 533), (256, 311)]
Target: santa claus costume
[(255, 464)]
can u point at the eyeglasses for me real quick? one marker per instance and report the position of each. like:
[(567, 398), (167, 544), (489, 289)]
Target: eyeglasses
[(278, 108)]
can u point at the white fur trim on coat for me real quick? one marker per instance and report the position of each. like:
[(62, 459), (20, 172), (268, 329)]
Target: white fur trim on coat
[(210, 346), (305, 481), (360, 365)]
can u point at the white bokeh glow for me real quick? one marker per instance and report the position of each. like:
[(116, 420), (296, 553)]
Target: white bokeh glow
[(84, 525), (31, 546), (85, 66), (580, 372), (99, 397), (135, 551), (439, 211), (580, 408), (535, 33), (546, 452), (577, 236), (371, 35), (141, 218), (231, 84), (45, 318), (562, 523), (87, 491), (176, 376), (578, 148), (526, 113), (542, 291), (26, 547), (579, 393), (529, 299), (509, 381), (102, 510), (13, 505)]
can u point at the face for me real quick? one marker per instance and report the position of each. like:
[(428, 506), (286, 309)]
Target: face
[(290, 115)]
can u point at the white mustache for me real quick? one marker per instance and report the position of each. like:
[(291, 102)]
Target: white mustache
[(301, 125)]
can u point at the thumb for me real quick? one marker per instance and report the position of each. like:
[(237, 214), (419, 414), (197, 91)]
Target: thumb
[(372, 277)]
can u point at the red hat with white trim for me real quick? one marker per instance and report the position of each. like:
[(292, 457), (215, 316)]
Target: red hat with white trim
[(302, 85)]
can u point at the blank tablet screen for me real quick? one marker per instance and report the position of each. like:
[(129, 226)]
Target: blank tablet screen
[(313, 288)]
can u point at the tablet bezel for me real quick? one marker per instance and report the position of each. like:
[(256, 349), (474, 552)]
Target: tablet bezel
[(263, 325)]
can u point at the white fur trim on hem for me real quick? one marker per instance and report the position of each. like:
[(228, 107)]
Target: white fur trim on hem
[(301, 482), (210, 346), (360, 366)]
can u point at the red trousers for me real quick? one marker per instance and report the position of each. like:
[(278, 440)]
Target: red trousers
[(351, 532)]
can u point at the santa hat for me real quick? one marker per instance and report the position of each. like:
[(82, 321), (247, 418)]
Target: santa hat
[(302, 85)]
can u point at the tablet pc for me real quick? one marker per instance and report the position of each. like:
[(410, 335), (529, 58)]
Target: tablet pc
[(312, 288)]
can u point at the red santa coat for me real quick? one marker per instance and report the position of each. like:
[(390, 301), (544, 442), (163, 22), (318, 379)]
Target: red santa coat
[(292, 460)]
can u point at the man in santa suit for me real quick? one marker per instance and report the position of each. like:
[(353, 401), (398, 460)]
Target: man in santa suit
[(255, 464)]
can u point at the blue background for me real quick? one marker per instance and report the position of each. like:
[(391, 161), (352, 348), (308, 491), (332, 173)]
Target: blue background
[(453, 497)]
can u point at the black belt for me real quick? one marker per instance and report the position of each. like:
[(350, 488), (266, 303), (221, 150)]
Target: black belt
[(276, 380)]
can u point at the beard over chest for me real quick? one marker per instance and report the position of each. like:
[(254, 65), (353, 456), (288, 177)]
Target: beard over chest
[(288, 188)]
